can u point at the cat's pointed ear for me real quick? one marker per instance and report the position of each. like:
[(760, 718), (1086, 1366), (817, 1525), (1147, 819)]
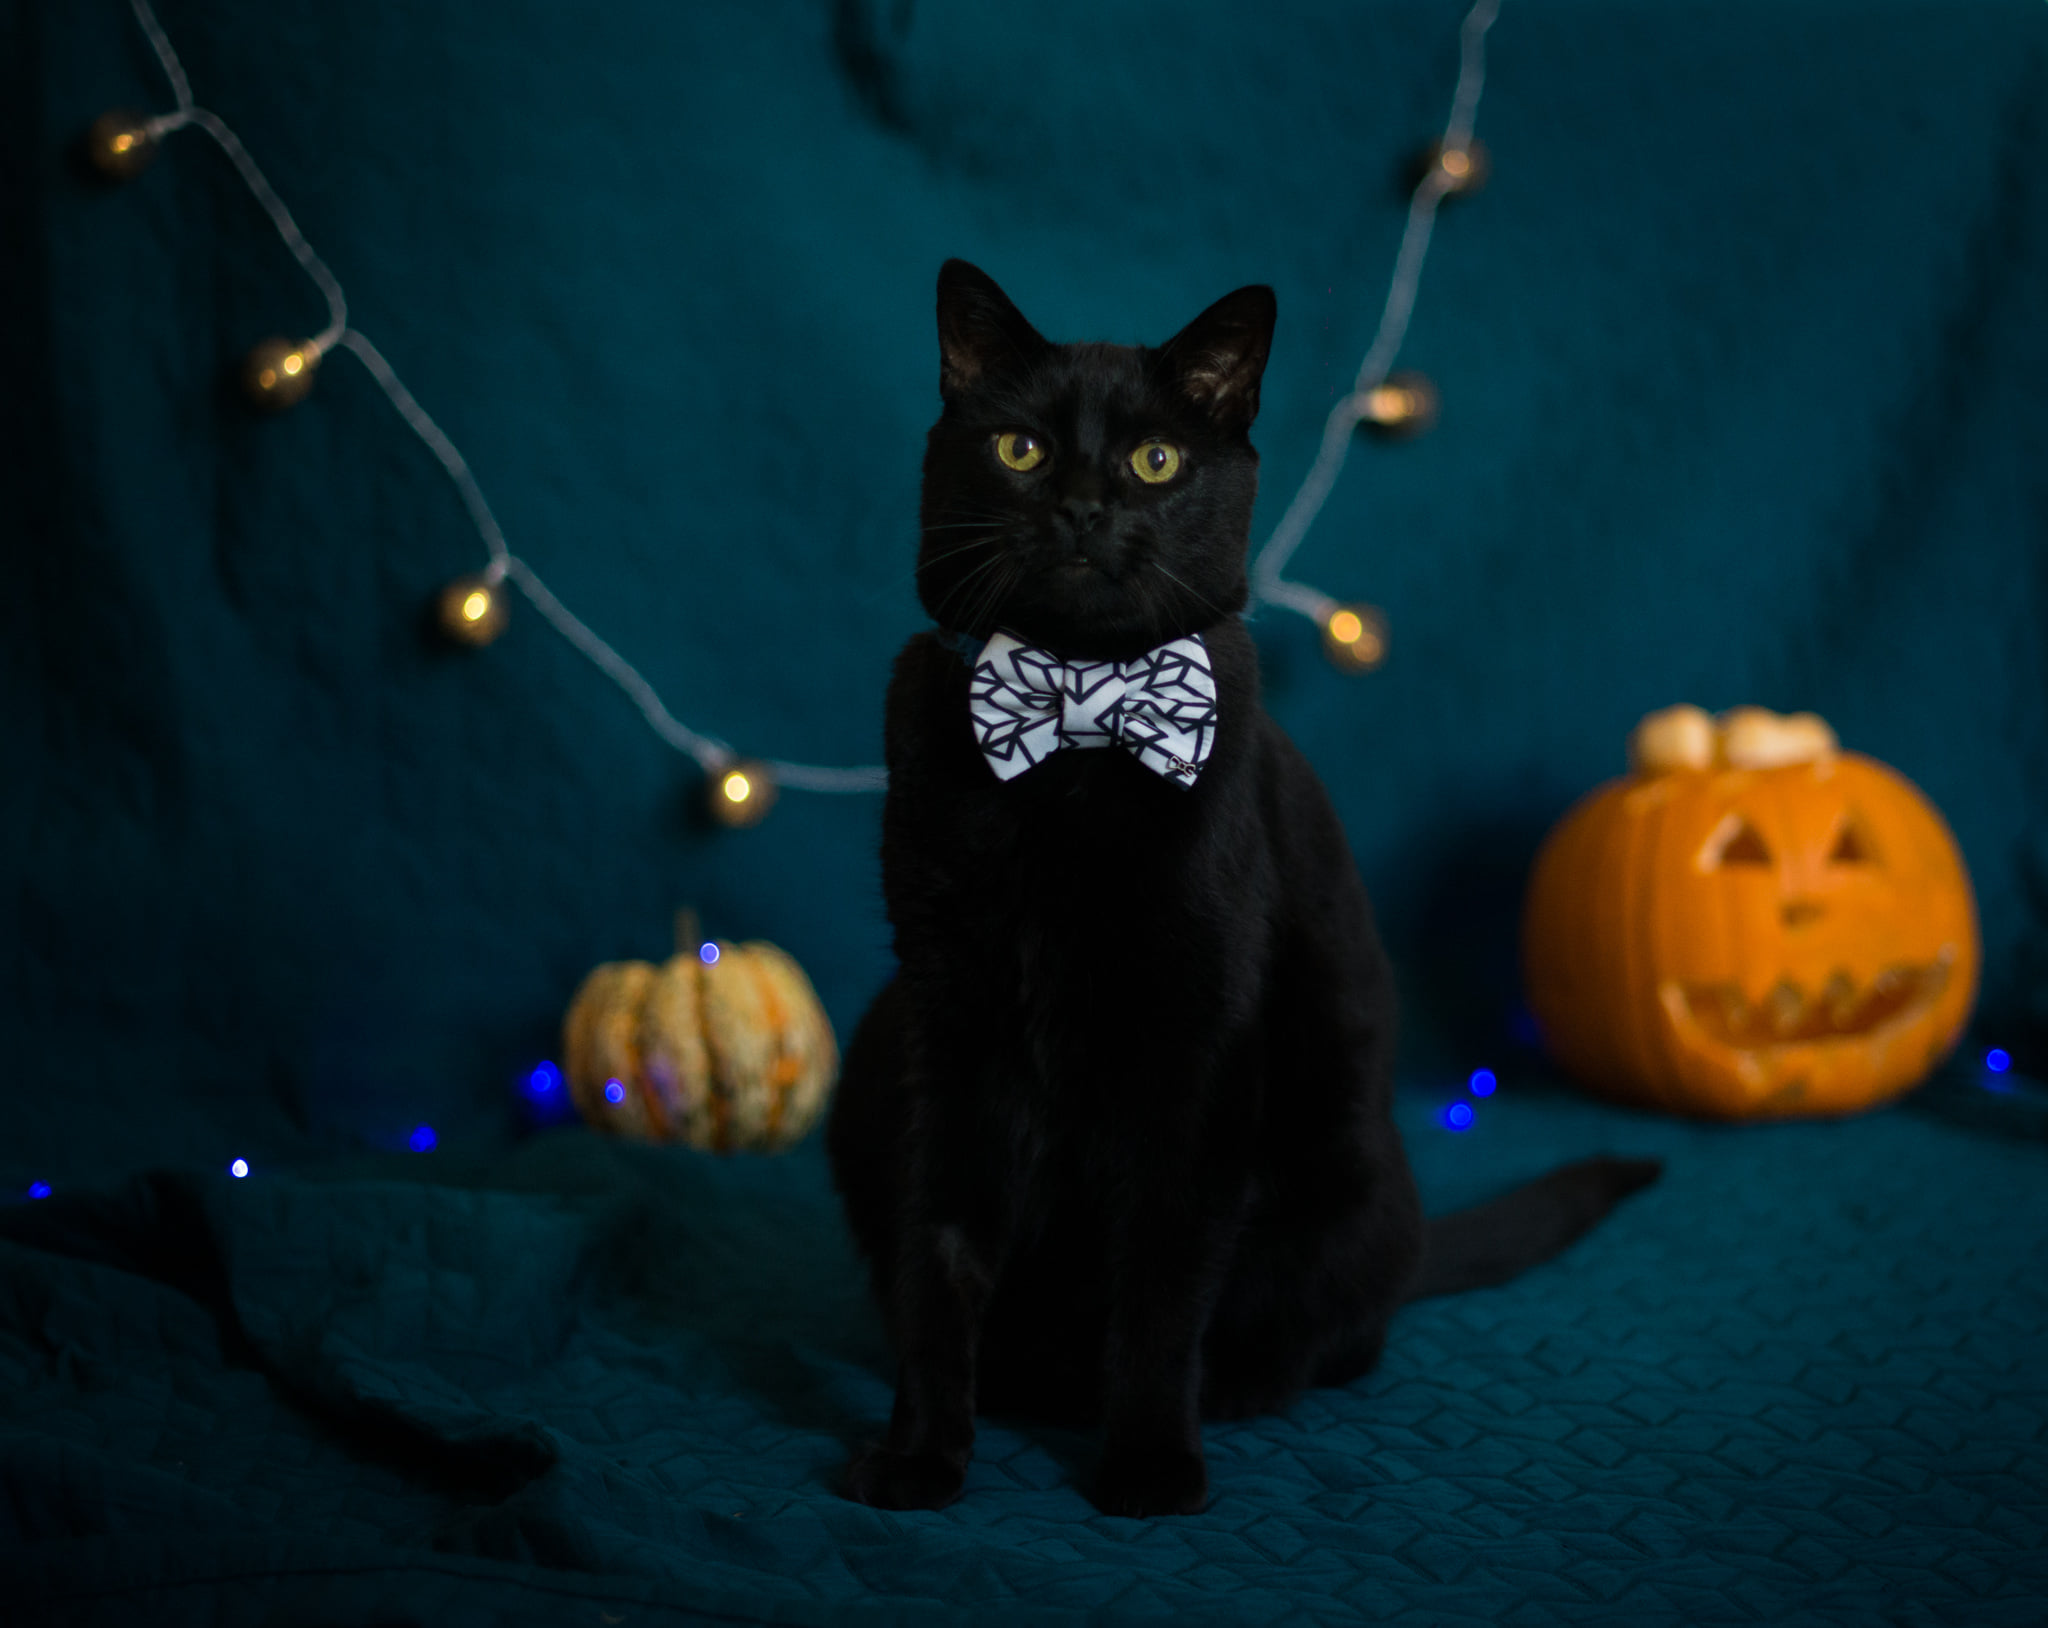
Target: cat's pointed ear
[(980, 331), (1218, 359)]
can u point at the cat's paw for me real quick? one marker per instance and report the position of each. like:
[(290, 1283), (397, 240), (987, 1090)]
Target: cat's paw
[(1152, 1481), (884, 1479)]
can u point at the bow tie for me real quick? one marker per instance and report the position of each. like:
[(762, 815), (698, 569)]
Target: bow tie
[(1161, 708)]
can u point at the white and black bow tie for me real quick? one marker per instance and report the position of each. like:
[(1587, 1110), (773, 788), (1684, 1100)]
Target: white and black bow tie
[(1161, 708)]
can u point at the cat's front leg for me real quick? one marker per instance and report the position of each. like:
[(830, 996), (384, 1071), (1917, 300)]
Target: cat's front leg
[(922, 1461), (1175, 1248), (952, 1243)]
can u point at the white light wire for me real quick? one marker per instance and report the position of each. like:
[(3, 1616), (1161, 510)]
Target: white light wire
[(1339, 429), (1269, 581), (712, 754)]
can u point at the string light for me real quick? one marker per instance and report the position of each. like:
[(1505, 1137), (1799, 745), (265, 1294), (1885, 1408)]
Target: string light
[(120, 144), (423, 1139), (279, 372), (238, 1168), (544, 1095), (1998, 1060), (742, 795), (1464, 165), (1456, 164), (38, 1189), (473, 610), (1401, 408), (1482, 1082), (1459, 1116), (1355, 637)]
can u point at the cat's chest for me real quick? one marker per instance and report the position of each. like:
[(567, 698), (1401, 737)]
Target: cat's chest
[(1082, 872), (1077, 889), (1083, 835)]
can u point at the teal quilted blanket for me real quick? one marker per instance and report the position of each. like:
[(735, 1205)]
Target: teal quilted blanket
[(1801, 1381)]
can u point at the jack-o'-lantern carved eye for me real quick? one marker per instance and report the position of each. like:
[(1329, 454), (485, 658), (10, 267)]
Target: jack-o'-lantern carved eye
[(1852, 845), (1735, 842)]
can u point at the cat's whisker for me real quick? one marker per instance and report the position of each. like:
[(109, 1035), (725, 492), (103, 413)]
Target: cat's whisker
[(904, 576), (969, 592), (994, 559), (971, 544), (969, 581), (1003, 582), (1190, 588)]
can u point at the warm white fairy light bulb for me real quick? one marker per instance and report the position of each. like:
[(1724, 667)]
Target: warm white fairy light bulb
[(120, 145), (278, 373), (1404, 405), (742, 794), (1355, 637), (472, 610)]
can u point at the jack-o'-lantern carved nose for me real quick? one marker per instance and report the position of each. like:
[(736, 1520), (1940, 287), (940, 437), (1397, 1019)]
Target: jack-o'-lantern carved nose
[(1799, 912)]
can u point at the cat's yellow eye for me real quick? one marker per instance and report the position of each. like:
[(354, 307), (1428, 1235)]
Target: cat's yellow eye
[(1156, 462), (1020, 451)]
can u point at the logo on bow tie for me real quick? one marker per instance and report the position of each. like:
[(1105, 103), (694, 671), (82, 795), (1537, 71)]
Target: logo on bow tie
[(1161, 708)]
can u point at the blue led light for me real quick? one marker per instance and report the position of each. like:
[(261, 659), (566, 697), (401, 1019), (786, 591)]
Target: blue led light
[(38, 1189), (543, 1094), (422, 1139), (1998, 1060), (614, 1093), (1482, 1082), (1458, 1116), (239, 1169), (708, 954)]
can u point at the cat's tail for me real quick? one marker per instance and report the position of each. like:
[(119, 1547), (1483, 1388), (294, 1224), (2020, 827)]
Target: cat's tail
[(1492, 1242)]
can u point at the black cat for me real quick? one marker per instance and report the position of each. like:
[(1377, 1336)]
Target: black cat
[(1116, 1138)]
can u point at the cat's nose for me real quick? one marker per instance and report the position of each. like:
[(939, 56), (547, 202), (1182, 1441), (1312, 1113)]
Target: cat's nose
[(1083, 514)]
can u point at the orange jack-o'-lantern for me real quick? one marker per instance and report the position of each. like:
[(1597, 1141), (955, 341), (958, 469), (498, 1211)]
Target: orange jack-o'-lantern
[(1752, 925)]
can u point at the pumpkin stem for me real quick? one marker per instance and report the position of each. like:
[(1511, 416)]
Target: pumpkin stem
[(688, 937)]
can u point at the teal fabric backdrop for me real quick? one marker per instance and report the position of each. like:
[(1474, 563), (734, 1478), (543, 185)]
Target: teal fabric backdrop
[(1742, 353), (1744, 360)]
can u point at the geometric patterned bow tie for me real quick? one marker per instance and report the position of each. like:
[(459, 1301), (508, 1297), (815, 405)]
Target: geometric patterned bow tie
[(1026, 704)]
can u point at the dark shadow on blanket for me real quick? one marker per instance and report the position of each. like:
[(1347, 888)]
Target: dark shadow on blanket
[(2005, 1107), (157, 1227)]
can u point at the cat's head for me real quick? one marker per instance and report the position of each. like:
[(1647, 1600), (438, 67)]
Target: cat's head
[(1092, 499)]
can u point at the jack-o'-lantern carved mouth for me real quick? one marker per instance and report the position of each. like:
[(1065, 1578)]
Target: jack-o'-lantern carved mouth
[(1791, 1015)]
